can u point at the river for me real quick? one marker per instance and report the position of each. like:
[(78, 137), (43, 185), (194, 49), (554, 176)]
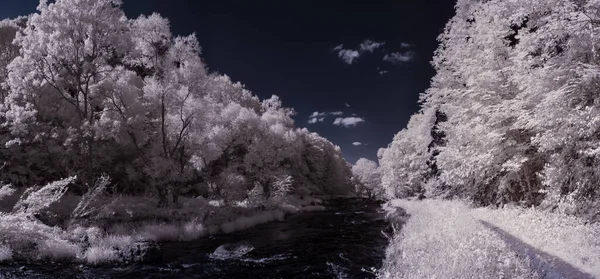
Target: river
[(343, 241)]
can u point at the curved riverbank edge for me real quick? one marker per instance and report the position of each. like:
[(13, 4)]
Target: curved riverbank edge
[(128, 229)]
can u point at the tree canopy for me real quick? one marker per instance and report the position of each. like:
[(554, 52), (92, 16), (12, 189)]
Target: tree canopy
[(88, 92), (512, 114)]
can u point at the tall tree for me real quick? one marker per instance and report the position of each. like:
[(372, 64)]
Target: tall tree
[(367, 178)]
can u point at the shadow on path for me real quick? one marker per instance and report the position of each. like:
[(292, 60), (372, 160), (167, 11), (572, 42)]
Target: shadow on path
[(548, 266)]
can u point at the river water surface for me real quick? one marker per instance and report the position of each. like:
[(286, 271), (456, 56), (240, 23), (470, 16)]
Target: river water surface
[(343, 241)]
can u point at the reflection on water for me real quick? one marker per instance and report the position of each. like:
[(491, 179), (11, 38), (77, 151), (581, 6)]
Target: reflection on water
[(344, 241)]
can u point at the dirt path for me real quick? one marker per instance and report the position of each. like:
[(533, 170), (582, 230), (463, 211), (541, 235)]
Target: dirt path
[(547, 265)]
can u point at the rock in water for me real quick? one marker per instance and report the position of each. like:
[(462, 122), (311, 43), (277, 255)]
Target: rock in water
[(231, 251), (142, 252)]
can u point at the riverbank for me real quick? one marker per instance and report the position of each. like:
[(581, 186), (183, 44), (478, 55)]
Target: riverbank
[(127, 229), (448, 239), (342, 241)]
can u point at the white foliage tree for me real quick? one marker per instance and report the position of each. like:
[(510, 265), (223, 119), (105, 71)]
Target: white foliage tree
[(518, 83), (56, 84), (403, 164), (368, 178), (90, 92)]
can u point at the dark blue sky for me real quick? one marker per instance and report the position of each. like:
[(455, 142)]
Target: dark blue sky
[(285, 48)]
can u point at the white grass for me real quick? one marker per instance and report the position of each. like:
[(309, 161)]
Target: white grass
[(442, 240), (293, 204), (45, 196), (159, 232), (99, 255), (18, 230), (6, 191), (108, 228), (192, 230), (58, 250), (106, 249), (185, 231), (289, 209), (566, 237), (5, 253), (120, 242), (79, 234), (216, 203), (242, 223)]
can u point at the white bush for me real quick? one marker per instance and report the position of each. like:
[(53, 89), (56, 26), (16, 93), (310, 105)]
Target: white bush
[(5, 253), (106, 249), (160, 232), (86, 204), (281, 187), (58, 249), (6, 191), (256, 196), (44, 197), (98, 255), (192, 230)]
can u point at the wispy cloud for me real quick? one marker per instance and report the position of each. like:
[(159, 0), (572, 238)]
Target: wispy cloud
[(357, 143), (315, 120), (320, 116), (316, 117), (398, 57), (348, 121), (339, 121), (347, 105), (370, 46), (347, 55), (381, 72), (350, 55)]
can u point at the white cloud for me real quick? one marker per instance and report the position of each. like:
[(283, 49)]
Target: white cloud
[(347, 105), (317, 114), (370, 46), (350, 55), (347, 55), (405, 45), (348, 121), (320, 116), (397, 57), (381, 72), (357, 143)]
